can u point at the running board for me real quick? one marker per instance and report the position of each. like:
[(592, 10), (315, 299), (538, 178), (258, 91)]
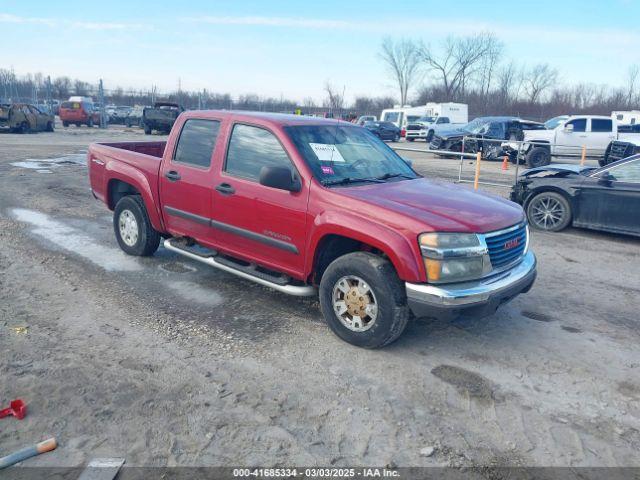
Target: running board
[(295, 290)]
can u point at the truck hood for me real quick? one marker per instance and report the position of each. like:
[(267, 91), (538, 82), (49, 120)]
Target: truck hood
[(547, 135), (436, 206), (447, 132), (558, 167)]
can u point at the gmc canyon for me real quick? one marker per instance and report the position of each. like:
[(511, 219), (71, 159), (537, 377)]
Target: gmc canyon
[(312, 206)]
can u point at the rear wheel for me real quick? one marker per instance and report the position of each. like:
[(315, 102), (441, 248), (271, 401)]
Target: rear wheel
[(147, 130), (65, 124), (90, 122), (363, 300), (49, 126), (549, 211), (133, 229), (538, 157), (396, 138)]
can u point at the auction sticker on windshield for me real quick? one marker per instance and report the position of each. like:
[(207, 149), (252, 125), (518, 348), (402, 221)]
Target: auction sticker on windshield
[(326, 152)]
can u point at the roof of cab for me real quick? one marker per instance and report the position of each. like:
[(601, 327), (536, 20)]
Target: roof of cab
[(265, 117)]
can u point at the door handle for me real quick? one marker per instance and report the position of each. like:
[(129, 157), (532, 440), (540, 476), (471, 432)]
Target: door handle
[(172, 175), (226, 189)]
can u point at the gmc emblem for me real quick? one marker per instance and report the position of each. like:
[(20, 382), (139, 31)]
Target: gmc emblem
[(512, 243)]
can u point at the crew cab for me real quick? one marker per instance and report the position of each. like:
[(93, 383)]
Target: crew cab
[(568, 138), (311, 206)]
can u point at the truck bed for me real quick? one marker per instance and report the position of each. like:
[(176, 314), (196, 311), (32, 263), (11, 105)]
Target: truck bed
[(137, 163)]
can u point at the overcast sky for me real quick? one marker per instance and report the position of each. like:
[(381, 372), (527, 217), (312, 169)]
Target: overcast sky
[(291, 48)]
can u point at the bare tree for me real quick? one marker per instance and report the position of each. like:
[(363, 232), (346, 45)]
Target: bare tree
[(632, 84), (538, 80), (509, 80), (334, 100), (402, 59), (458, 61)]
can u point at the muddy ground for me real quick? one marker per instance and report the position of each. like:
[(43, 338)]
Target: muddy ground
[(166, 362)]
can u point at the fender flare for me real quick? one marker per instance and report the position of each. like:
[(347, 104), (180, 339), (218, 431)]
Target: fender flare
[(400, 251)]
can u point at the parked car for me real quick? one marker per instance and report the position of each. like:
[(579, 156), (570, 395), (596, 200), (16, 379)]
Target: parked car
[(366, 118), (80, 112), (119, 114), (305, 205), (160, 117), (482, 134), (134, 117), (594, 132), (606, 198), (24, 118), (384, 130)]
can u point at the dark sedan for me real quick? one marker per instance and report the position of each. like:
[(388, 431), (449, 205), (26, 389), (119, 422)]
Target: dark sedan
[(384, 130), (607, 198), (483, 133)]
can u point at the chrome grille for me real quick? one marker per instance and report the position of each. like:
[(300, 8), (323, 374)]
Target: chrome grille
[(507, 246), (414, 127)]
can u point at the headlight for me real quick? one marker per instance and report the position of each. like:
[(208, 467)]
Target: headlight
[(454, 257)]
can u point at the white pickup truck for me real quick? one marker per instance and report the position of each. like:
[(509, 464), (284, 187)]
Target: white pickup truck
[(425, 127), (594, 132)]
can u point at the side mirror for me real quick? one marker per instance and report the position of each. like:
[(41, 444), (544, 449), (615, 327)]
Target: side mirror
[(605, 179), (279, 177), (568, 128)]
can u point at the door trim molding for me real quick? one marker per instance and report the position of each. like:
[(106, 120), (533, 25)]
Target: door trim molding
[(225, 227)]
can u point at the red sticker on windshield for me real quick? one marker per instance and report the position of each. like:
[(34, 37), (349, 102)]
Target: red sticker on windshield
[(327, 170)]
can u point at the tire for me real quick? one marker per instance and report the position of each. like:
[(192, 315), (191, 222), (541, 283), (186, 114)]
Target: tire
[(549, 202), (146, 239), (429, 136), (409, 139), (605, 159), (385, 291), (49, 126), (396, 138), (538, 157), (65, 124), (90, 122), (147, 130), (78, 124)]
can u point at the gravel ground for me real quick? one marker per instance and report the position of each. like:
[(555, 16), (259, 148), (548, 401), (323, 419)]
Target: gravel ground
[(166, 362)]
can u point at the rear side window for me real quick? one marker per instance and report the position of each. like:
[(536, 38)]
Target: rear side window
[(627, 172), (601, 125), (579, 124), (252, 148), (197, 141)]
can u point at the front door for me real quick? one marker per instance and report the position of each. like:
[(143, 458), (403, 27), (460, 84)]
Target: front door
[(264, 224), (569, 142), (612, 203), (186, 183)]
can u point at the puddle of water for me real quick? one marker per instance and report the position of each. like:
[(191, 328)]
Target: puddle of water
[(471, 383), (45, 165), (75, 241), (195, 293)]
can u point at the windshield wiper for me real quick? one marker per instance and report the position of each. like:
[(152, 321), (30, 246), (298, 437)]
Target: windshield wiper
[(349, 180), (386, 176)]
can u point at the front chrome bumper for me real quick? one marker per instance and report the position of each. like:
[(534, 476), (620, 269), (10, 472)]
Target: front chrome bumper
[(479, 297)]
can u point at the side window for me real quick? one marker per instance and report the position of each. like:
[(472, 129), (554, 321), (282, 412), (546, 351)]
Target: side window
[(196, 143), (601, 125), (252, 148), (443, 120), (628, 172), (579, 124), (496, 130)]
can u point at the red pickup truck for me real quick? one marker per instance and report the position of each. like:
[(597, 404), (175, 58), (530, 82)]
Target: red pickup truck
[(315, 206)]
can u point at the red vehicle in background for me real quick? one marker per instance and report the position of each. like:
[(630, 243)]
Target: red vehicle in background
[(79, 111)]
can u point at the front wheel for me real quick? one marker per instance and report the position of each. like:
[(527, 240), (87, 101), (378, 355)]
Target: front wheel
[(49, 126), (396, 138), (363, 301), (538, 157), (549, 211), (133, 228)]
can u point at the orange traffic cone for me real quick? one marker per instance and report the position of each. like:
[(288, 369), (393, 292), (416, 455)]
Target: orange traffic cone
[(505, 163)]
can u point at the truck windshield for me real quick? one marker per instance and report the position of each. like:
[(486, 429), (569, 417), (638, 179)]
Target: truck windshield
[(340, 155), (427, 119)]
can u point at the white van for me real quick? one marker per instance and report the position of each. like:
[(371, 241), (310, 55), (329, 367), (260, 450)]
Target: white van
[(401, 116)]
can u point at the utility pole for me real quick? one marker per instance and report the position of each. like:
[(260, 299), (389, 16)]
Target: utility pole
[(103, 116)]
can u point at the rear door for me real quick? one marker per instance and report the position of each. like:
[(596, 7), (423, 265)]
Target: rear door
[(612, 205), (186, 183), (258, 223), (599, 136)]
